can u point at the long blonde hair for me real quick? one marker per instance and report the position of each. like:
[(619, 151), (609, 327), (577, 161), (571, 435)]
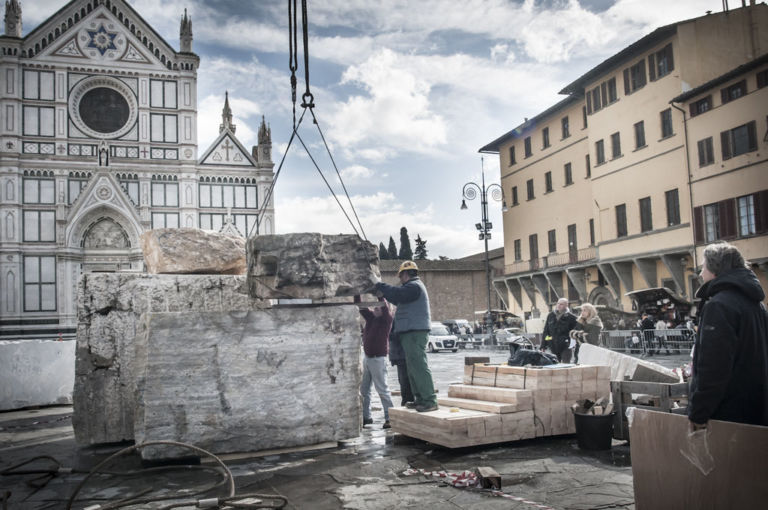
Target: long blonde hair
[(591, 312)]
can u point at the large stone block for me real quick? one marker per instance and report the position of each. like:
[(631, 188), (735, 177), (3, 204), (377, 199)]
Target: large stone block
[(36, 373), (192, 251), (109, 309), (248, 381), (313, 266)]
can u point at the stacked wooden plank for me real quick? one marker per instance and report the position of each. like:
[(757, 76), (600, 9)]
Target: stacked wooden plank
[(499, 403)]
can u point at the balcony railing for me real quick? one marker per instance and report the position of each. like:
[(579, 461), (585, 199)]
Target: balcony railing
[(552, 261)]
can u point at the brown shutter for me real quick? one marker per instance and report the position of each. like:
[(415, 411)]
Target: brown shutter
[(724, 95), (652, 66), (626, 81), (692, 108), (725, 142), (589, 102), (761, 211), (698, 225), (752, 135), (727, 218), (670, 60)]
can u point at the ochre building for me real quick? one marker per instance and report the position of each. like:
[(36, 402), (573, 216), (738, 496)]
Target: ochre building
[(654, 153)]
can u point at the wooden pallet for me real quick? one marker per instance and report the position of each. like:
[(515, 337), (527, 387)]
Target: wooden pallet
[(498, 403), (662, 394)]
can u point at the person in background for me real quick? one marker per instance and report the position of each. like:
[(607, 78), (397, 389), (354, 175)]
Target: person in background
[(397, 359), (590, 326), (661, 334), (649, 329), (557, 328), (730, 353), (412, 323), (378, 322)]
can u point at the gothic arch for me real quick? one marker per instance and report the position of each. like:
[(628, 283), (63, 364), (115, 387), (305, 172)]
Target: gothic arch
[(105, 234), (77, 234)]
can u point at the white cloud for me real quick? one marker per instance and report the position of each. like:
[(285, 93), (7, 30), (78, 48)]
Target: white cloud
[(396, 111), (356, 173)]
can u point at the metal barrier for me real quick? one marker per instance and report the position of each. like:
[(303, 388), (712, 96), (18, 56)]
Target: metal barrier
[(648, 342)]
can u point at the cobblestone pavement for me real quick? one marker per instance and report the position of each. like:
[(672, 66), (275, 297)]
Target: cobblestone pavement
[(363, 473)]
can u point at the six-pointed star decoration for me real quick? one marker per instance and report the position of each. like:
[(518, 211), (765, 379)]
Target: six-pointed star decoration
[(102, 40)]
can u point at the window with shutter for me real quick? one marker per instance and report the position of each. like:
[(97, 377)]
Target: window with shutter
[(652, 66), (727, 218), (698, 225)]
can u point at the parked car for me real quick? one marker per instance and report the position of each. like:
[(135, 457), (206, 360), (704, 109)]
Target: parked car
[(440, 339), (508, 336)]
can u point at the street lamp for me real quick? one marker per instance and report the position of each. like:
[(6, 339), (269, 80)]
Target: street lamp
[(469, 192)]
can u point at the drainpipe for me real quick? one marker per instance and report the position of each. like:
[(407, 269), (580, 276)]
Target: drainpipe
[(690, 179)]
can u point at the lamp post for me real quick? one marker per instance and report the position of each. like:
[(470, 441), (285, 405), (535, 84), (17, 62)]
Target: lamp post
[(469, 192)]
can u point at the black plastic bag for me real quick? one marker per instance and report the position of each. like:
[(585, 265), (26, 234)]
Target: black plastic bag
[(522, 357)]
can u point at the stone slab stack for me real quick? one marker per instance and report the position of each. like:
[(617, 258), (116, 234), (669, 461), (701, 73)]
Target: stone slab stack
[(499, 403), (199, 359)]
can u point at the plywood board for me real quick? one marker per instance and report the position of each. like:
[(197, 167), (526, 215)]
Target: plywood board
[(665, 479)]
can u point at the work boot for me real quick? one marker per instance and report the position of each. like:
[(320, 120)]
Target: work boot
[(425, 408), (410, 405), (367, 421), (386, 425)]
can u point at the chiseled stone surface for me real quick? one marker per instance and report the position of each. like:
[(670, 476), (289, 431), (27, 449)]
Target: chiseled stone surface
[(248, 381), (192, 251), (109, 308), (310, 265)]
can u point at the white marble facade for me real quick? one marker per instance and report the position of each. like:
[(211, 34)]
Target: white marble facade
[(98, 143)]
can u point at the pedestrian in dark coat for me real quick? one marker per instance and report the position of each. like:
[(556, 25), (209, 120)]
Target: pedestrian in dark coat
[(730, 356), (556, 332), (397, 359)]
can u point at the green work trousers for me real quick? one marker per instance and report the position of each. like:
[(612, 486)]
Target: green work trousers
[(419, 375)]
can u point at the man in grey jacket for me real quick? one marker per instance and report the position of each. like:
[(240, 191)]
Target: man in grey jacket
[(412, 324)]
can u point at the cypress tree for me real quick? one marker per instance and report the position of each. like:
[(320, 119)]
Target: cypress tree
[(392, 250), (383, 255), (405, 245)]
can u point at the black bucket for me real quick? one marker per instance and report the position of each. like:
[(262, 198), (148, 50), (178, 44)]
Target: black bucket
[(594, 431)]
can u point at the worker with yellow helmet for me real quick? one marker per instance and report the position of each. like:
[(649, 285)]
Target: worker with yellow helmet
[(412, 324)]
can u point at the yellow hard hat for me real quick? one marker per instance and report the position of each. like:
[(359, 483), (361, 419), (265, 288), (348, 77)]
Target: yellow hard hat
[(408, 264)]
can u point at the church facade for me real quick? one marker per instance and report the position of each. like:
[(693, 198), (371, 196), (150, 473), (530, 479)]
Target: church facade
[(98, 143)]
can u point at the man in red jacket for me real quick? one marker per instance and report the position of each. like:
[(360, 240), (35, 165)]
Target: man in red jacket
[(378, 322)]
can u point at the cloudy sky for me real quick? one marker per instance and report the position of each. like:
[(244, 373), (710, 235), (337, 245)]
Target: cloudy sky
[(406, 92)]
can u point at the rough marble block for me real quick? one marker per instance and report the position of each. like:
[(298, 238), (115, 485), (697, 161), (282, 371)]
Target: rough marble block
[(109, 308), (192, 251), (623, 365), (247, 381), (311, 266)]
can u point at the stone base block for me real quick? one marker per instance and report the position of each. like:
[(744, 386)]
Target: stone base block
[(311, 266), (109, 308), (36, 373), (247, 381)]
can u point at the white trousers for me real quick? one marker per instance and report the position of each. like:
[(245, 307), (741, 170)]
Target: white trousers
[(375, 371)]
